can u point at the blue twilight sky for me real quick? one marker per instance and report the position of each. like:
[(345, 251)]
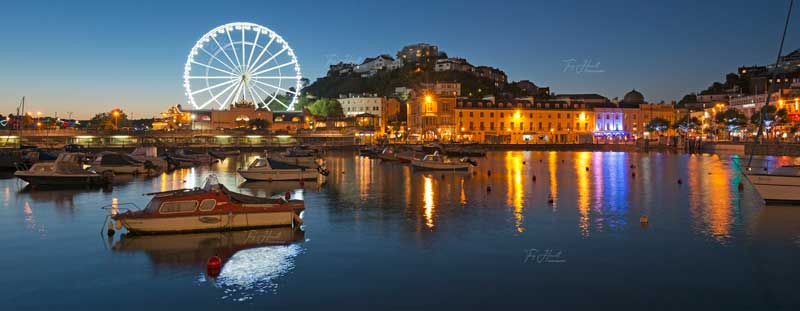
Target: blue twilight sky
[(85, 56)]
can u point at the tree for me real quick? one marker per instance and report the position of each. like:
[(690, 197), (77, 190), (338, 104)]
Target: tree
[(772, 116), (113, 119), (326, 107), (687, 124), (732, 119), (657, 125)]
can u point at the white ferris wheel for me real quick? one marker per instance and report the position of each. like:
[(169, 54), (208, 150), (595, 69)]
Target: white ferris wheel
[(242, 62)]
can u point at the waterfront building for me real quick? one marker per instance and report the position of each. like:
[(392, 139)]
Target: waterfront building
[(416, 52), (384, 109), (173, 118), (523, 121), (431, 117), (628, 119), (290, 122), (238, 115)]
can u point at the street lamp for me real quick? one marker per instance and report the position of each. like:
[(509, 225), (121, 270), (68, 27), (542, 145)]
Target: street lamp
[(116, 118)]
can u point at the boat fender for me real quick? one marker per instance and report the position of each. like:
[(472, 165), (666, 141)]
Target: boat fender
[(287, 195), (488, 188), (741, 186), (110, 230), (213, 266), (644, 220), (118, 225)]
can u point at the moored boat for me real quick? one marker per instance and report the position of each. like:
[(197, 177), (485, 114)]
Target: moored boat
[(149, 153), (66, 170), (120, 163), (211, 208), (388, 154), (266, 169), (300, 156), (407, 156), (221, 154), (779, 186), (438, 163)]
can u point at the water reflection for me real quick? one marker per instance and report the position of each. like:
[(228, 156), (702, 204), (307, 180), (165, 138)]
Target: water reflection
[(582, 178), (427, 200), (514, 186), (252, 259), (710, 196)]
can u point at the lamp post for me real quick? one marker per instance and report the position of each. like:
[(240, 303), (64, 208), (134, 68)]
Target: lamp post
[(116, 118)]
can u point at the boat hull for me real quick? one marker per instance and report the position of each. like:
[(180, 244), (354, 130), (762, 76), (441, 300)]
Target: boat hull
[(775, 188), (76, 180), (124, 169), (433, 166), (211, 222), (279, 175)]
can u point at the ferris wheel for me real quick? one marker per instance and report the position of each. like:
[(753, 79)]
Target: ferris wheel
[(242, 62)]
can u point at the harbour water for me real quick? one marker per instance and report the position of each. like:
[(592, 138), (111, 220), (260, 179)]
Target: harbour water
[(379, 235)]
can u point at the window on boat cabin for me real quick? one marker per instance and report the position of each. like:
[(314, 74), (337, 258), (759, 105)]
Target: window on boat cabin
[(178, 207), (207, 205)]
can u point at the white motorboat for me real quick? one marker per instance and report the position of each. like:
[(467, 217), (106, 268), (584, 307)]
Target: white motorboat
[(266, 169), (782, 185), (66, 170), (120, 163), (299, 156), (438, 163)]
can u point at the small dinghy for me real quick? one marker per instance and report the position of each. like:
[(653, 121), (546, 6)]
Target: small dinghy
[(211, 208)]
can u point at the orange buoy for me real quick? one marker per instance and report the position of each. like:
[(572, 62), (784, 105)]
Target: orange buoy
[(214, 263)]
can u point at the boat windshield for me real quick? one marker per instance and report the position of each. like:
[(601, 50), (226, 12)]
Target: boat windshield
[(259, 162), (211, 183)]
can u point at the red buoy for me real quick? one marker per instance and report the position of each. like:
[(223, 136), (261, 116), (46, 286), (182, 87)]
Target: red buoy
[(214, 263)]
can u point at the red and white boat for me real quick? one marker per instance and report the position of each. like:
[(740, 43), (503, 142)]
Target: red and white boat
[(211, 208)]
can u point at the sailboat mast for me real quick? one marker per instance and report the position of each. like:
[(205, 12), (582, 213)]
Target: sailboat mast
[(769, 87)]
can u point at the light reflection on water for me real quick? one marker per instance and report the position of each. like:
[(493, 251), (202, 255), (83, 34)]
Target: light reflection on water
[(371, 215)]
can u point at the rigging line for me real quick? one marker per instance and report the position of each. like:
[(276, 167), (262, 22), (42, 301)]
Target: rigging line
[(766, 102)]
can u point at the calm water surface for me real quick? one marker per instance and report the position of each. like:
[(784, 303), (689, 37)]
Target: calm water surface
[(378, 235)]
